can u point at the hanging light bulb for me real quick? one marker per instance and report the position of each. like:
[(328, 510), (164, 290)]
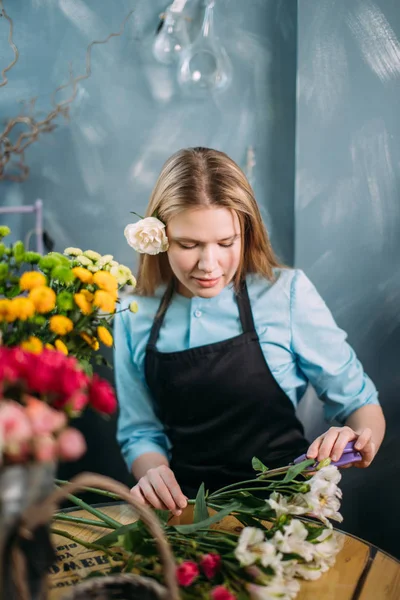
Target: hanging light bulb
[(173, 35), (204, 66)]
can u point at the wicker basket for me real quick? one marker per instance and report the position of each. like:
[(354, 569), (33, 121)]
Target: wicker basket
[(119, 586)]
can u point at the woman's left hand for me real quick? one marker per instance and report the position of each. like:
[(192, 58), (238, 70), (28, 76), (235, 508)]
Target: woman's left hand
[(332, 443)]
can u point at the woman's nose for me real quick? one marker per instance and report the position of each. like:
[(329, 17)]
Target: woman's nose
[(207, 261)]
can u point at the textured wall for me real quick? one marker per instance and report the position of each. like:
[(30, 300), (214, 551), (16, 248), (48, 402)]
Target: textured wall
[(347, 214), (130, 116)]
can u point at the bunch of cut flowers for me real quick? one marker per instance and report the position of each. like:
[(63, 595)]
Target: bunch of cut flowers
[(285, 536), (59, 301), (39, 393)]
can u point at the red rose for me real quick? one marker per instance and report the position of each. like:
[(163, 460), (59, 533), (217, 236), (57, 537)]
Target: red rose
[(210, 564), (186, 573), (101, 396), (71, 381), (221, 593)]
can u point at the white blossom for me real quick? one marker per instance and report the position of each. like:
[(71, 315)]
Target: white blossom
[(253, 547), (284, 506), (293, 540), (147, 236), (277, 588)]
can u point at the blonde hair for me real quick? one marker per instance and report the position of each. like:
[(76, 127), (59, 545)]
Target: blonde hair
[(196, 177)]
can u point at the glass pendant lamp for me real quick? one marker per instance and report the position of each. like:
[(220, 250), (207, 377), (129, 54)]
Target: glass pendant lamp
[(173, 36), (204, 66)]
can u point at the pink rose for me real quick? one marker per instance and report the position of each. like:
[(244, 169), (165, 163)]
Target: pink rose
[(42, 417), (102, 396), (15, 431), (44, 448), (210, 564), (186, 573), (222, 593), (71, 444)]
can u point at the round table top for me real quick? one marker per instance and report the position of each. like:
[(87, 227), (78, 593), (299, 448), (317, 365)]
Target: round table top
[(361, 571)]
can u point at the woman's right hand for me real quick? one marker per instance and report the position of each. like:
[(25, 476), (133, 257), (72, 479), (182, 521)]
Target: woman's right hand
[(160, 489)]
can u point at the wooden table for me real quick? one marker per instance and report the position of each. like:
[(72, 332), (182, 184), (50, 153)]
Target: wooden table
[(361, 572)]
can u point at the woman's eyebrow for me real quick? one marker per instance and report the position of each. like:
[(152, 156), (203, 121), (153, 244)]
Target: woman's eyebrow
[(233, 237)]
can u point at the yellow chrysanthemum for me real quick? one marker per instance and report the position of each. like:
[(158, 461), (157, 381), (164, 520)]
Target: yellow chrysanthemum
[(83, 274), (105, 281), (31, 279), (91, 341), (49, 346), (20, 308), (105, 336), (83, 303), (43, 298), (104, 301), (61, 347), (61, 325), (88, 295), (32, 344), (4, 308)]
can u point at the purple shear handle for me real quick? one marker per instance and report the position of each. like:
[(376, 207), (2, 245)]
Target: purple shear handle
[(349, 456)]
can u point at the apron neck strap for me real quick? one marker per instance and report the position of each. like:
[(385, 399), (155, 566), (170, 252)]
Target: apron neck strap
[(245, 313)]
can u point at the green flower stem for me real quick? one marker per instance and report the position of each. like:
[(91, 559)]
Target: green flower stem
[(96, 513), (263, 477), (79, 520), (85, 544), (92, 489)]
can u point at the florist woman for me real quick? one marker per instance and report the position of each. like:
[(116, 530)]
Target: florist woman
[(210, 370)]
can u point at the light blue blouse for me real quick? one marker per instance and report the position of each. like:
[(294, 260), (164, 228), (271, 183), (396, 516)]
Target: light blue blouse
[(298, 335)]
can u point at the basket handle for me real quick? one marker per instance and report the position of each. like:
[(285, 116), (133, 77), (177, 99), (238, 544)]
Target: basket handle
[(38, 515)]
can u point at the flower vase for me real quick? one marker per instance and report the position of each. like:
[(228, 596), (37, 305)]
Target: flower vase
[(24, 561)]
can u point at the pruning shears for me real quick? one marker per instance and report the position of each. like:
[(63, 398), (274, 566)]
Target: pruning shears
[(349, 456)]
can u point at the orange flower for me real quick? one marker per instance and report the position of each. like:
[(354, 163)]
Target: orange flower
[(20, 308), (83, 274), (31, 279), (43, 298), (88, 295), (83, 303), (32, 344), (4, 308), (61, 325), (104, 301), (105, 336), (105, 281), (91, 341), (61, 347)]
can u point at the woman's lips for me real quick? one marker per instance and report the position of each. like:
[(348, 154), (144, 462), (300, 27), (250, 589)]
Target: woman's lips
[(207, 283)]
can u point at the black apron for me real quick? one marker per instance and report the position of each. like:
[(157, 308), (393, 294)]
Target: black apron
[(220, 406)]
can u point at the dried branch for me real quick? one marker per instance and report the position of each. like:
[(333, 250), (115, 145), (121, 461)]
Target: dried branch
[(10, 41), (10, 151)]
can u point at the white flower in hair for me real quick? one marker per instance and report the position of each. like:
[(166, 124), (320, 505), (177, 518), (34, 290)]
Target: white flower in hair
[(147, 236)]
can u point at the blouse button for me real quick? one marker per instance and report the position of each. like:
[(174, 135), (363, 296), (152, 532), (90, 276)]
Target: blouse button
[(197, 313)]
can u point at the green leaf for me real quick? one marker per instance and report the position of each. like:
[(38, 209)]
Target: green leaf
[(163, 515), (200, 507), (112, 538), (13, 291), (248, 521), (314, 532), (297, 469), (209, 521), (258, 465)]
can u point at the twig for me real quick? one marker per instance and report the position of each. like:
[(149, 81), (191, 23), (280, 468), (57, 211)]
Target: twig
[(10, 41)]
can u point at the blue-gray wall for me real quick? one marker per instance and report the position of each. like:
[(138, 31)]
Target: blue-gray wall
[(130, 116), (347, 215)]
